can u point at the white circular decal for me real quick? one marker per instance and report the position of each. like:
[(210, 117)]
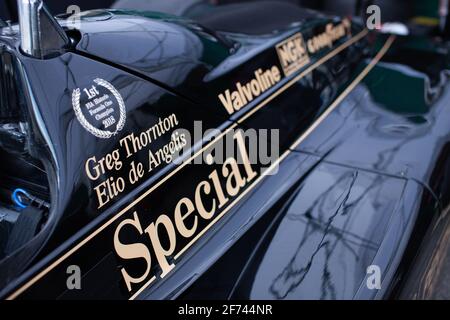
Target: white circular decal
[(100, 109)]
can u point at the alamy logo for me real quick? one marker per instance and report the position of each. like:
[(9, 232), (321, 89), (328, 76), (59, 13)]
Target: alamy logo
[(373, 281), (374, 17), (74, 277), (73, 21)]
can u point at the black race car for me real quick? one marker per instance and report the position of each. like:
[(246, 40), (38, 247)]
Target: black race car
[(254, 150)]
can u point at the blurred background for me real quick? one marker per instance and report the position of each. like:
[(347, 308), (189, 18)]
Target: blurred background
[(393, 10), (426, 17)]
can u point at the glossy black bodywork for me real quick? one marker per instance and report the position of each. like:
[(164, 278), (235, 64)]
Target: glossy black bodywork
[(366, 187)]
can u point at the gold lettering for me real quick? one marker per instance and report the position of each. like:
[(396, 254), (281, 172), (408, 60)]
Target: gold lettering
[(199, 201), (251, 174), (235, 181), (245, 93), (227, 101), (132, 251), (218, 187), (160, 252), (180, 218)]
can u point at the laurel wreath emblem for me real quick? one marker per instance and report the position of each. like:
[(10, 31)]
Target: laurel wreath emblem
[(103, 134)]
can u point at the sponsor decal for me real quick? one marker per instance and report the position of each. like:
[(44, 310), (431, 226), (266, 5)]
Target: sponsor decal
[(292, 54), (100, 109), (234, 100), (331, 34)]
